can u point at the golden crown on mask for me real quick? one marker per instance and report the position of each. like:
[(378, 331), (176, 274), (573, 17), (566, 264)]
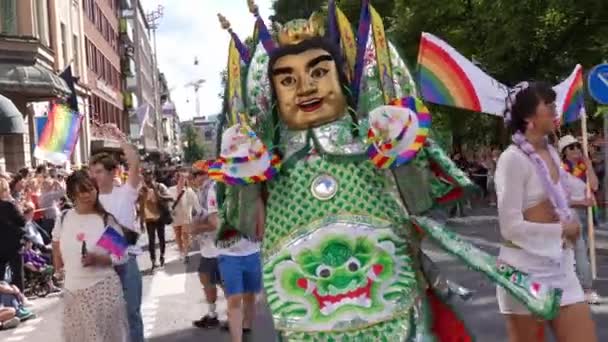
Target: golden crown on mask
[(293, 32)]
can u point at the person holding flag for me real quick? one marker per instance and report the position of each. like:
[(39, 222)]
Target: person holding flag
[(580, 172), (89, 243)]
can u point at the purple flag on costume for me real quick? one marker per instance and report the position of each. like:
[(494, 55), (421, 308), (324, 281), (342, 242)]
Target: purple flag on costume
[(264, 36), (113, 242), (242, 48), (362, 37), (333, 30)]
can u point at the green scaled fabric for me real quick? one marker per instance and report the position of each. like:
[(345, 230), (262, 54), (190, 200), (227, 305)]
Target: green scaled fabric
[(345, 268), (544, 303)]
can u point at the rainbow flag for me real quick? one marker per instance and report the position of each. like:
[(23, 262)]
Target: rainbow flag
[(59, 136), (113, 242), (570, 100), (446, 77)]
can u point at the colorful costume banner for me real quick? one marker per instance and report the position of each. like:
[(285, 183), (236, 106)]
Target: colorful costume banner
[(59, 135), (382, 56), (235, 91)]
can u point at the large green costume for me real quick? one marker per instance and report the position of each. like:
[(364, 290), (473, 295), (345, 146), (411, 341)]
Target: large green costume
[(345, 214)]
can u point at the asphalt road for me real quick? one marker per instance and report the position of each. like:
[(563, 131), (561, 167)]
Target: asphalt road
[(173, 297)]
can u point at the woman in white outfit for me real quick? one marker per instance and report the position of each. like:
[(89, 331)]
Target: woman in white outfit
[(185, 201), (538, 227), (580, 171), (94, 306)]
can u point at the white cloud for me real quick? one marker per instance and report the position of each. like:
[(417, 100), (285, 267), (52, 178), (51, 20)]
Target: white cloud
[(189, 29)]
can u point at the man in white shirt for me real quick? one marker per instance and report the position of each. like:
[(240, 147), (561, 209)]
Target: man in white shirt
[(120, 201), (240, 267), (208, 270)]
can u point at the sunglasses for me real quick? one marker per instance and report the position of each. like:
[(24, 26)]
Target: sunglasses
[(574, 146)]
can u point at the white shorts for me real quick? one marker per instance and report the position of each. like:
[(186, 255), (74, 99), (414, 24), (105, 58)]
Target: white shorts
[(563, 277)]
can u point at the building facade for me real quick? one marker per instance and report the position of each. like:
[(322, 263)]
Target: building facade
[(170, 120), (67, 28), (28, 52), (102, 50), (139, 76)]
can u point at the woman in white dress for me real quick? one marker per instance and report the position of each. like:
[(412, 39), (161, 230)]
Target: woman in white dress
[(537, 225), (94, 306), (185, 202)]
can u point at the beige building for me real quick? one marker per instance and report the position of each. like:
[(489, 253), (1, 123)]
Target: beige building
[(68, 31), (27, 75)]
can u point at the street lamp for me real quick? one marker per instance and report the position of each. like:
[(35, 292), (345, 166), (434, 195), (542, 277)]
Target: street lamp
[(153, 20)]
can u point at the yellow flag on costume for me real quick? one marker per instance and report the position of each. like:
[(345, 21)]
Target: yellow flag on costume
[(235, 85), (382, 56), (347, 38)]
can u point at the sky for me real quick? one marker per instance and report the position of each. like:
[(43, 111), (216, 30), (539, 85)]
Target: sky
[(189, 29)]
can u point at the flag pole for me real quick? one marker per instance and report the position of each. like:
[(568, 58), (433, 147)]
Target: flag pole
[(590, 227)]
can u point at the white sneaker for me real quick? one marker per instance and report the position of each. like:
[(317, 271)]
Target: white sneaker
[(592, 297), (10, 324), (27, 303)]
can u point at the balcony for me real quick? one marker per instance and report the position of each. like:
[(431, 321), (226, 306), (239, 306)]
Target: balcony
[(126, 31)]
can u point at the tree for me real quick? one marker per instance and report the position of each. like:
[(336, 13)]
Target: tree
[(193, 150), (513, 41)]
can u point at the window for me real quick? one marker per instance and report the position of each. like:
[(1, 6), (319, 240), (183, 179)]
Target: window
[(76, 51), (41, 11), (64, 45), (8, 16)]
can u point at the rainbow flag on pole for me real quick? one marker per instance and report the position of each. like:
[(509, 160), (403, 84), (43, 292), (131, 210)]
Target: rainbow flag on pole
[(570, 100), (59, 136), (448, 78)]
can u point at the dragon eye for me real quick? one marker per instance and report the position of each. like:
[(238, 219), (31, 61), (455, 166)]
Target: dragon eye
[(323, 271), (353, 265)]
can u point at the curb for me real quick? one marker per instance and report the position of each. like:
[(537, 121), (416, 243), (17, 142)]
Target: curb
[(473, 220)]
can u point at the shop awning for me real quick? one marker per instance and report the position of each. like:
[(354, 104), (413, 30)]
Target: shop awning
[(11, 120), (31, 81)]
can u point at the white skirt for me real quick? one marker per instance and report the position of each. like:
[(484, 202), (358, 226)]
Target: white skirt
[(562, 276), (96, 314)]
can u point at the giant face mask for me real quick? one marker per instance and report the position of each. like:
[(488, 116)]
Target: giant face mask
[(308, 89)]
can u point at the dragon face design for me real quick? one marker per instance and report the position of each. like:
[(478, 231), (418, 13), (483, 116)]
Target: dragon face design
[(327, 281), (341, 274)]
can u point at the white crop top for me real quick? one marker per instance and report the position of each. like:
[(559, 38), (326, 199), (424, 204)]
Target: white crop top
[(518, 187)]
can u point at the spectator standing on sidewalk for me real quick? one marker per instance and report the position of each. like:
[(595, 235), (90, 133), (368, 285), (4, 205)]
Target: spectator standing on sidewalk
[(154, 214), (205, 231), (580, 170), (184, 202), (120, 201), (12, 225), (50, 195)]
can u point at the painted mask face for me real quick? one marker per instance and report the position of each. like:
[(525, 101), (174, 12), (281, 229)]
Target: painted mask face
[(308, 89)]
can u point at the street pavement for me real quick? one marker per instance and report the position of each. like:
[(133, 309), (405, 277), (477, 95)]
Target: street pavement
[(173, 296)]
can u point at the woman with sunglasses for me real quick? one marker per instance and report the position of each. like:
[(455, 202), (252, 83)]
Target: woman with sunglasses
[(580, 171), (94, 306)]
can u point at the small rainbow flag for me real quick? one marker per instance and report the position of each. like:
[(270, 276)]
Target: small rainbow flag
[(447, 78), (59, 136), (113, 242), (570, 99)]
